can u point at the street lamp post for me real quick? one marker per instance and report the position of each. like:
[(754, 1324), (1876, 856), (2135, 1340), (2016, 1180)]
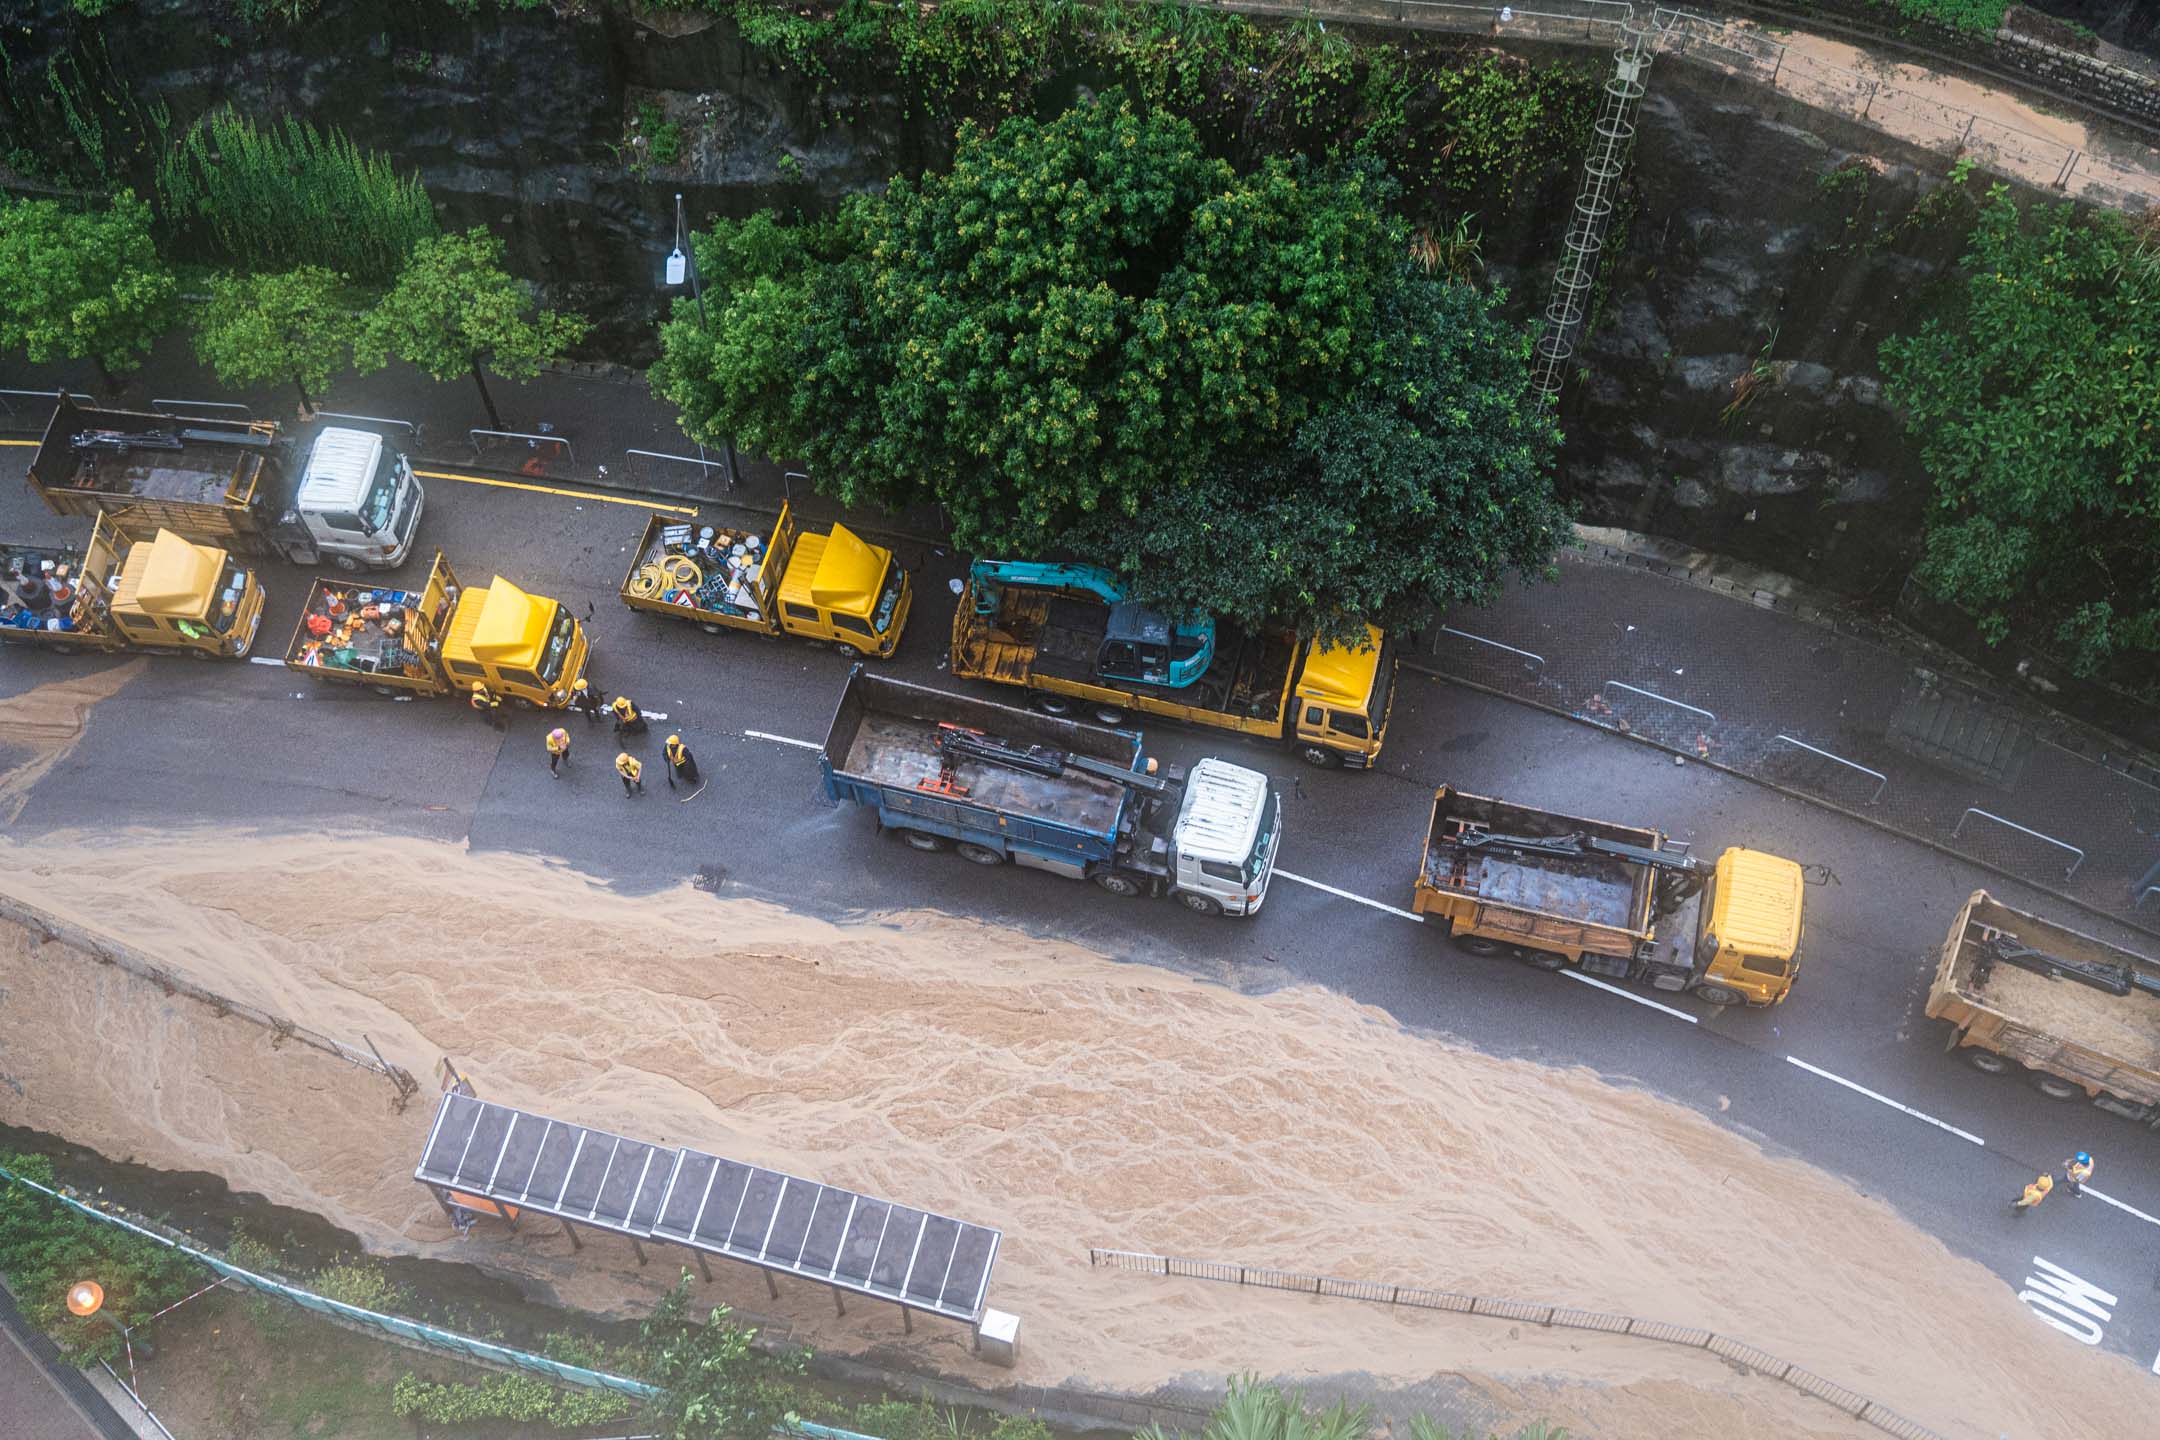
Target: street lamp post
[(682, 263)]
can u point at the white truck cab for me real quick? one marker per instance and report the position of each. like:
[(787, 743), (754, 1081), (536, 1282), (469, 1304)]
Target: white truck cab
[(1223, 844), (358, 501)]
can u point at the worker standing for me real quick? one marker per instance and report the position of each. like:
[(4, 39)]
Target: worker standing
[(487, 706), (627, 719), (632, 773), (2079, 1168), (682, 765), (584, 697), (558, 747), (2034, 1194)]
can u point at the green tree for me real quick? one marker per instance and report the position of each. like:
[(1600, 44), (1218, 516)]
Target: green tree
[(77, 285), (714, 1385), (455, 310), (2033, 399), (290, 326)]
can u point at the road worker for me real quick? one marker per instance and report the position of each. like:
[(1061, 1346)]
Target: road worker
[(487, 706), (682, 765), (584, 697), (632, 773), (2034, 1194), (558, 748), (627, 719), (2079, 1168)]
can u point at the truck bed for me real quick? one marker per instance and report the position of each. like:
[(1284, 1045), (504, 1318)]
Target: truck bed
[(2053, 1013), (1605, 892), (885, 734)]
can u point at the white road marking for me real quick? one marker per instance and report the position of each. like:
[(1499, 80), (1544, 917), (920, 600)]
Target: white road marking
[(1628, 995), (1346, 895), (783, 740), (1876, 1095), (2130, 1210), (263, 660)]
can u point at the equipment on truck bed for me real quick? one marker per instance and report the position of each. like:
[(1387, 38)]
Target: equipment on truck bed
[(2002, 946), (1680, 877), (959, 742)]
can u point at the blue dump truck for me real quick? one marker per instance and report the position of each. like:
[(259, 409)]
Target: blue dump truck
[(999, 785)]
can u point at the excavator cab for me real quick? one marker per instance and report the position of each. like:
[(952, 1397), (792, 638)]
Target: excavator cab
[(1144, 646)]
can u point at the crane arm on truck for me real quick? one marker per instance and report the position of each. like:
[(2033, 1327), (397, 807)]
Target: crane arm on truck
[(1680, 875), (956, 743)]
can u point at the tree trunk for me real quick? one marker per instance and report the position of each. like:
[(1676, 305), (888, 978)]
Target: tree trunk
[(494, 418), (105, 377), (734, 476), (307, 406)]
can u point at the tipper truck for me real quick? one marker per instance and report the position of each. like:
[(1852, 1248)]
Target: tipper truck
[(741, 570), (996, 784), (1558, 890), (2077, 1017), (441, 639), (1064, 633), (233, 483), (156, 591)]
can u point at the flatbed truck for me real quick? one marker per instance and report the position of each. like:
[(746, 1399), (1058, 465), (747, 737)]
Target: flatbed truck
[(1000, 785), (1559, 890), (1073, 651), (441, 639), (739, 569), (2078, 1018), (123, 591), (353, 502)]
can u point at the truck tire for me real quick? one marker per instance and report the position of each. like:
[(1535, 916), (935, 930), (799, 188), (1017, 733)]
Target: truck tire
[(1319, 757), (1718, 995), (1117, 884), (924, 841), (977, 854), (1479, 945), (712, 629), (347, 563), (2057, 1088), (65, 649), (1542, 959), (1199, 904), (1987, 1062), (1109, 715), (1055, 705)]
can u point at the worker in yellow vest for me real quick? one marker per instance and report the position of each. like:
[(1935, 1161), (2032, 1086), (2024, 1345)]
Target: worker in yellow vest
[(632, 773), (487, 706), (682, 765), (2034, 1194), (558, 748)]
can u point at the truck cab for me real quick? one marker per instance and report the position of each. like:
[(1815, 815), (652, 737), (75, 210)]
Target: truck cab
[(841, 588), (172, 594), (524, 648), (1223, 840), (1344, 697), (357, 502), (1748, 928)]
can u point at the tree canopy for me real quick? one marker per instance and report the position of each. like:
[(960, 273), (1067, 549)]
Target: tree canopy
[(2033, 400), (1090, 337), (82, 285), (290, 326)]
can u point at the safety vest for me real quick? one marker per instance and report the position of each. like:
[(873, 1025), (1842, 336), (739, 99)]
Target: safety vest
[(481, 699), (676, 750), (2080, 1173), (623, 708), (2038, 1190), (628, 767), (558, 742)]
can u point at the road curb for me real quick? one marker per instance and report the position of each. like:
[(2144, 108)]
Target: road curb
[(2086, 906)]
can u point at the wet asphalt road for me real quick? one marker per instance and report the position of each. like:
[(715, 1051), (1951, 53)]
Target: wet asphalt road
[(257, 748)]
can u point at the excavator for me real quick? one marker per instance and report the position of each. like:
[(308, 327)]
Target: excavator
[(1137, 643)]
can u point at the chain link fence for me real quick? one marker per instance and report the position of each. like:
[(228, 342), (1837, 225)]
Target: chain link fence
[(1738, 1352)]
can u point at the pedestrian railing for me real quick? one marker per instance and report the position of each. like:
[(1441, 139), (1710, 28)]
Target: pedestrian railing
[(543, 456), (1973, 810), (410, 427), (1532, 660), (1738, 1352), (1881, 780), (178, 408)]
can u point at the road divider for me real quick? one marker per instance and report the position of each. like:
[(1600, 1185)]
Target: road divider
[(1581, 978), (1347, 895), (1883, 1099)]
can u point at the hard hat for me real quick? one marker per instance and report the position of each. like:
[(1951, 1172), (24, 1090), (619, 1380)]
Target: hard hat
[(2083, 1158), (579, 683), (2045, 1182), (674, 739)]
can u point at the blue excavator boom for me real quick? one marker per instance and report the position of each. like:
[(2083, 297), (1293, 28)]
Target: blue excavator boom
[(1148, 647)]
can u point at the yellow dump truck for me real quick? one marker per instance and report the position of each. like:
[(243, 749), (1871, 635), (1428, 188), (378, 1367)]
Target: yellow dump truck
[(1558, 890), (742, 570), (441, 639), (155, 591), (1068, 639), (2077, 1017)]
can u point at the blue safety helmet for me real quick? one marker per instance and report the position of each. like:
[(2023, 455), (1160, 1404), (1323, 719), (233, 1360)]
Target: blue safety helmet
[(2083, 1158)]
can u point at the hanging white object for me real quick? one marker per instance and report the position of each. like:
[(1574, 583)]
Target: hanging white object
[(677, 268)]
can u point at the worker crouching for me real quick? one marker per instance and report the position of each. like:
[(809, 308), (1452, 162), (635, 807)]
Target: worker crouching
[(627, 719), (632, 772)]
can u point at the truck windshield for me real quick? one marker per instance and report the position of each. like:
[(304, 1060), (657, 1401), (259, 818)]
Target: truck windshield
[(889, 601), (379, 506), (232, 585), (1383, 683), (1263, 845), (560, 634)]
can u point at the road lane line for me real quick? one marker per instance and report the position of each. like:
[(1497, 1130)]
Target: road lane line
[(1630, 995), (690, 510), (1919, 1115), (1346, 895), (783, 740), (264, 660), (2127, 1209)]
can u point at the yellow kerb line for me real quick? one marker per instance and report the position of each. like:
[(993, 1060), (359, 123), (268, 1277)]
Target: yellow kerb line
[(18, 442), (690, 510)]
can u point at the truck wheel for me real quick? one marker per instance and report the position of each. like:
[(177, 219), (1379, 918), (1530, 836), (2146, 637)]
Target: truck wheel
[(346, 563), (390, 690), (1542, 959), (712, 629), (204, 655), (1718, 995), (1116, 884), (1056, 705), (1109, 715), (1319, 757), (979, 854), (65, 649), (1199, 904), (1987, 1062), (923, 841), (1478, 945), (2057, 1088), (519, 702)]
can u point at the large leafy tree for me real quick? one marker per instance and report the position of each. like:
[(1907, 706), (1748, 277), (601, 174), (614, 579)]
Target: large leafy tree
[(1091, 337), (288, 326), (76, 285), (454, 311), (2033, 400)]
